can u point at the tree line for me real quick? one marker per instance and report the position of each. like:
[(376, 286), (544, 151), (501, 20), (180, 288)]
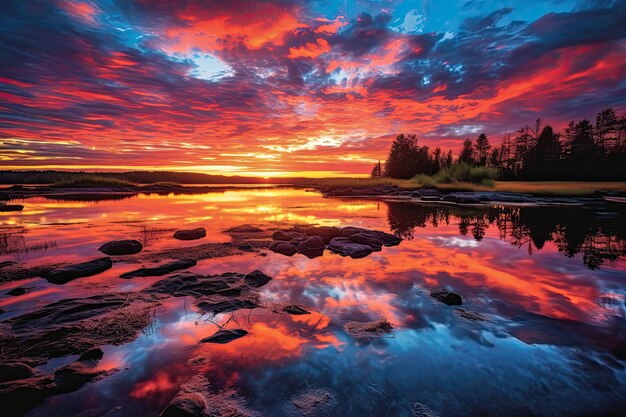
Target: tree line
[(583, 152)]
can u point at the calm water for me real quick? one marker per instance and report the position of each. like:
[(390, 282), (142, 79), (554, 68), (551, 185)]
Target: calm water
[(550, 282)]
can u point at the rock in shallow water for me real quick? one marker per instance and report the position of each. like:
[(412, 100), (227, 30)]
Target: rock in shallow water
[(121, 247), (225, 336), (312, 247), (346, 247), (163, 269), (284, 248), (68, 273), (190, 234), (17, 291), (447, 297), (295, 310)]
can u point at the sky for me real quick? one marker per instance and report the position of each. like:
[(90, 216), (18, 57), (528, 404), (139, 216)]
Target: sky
[(292, 87)]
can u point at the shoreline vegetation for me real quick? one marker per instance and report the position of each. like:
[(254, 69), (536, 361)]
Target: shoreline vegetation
[(59, 181)]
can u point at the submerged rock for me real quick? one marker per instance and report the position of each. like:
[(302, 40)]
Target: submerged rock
[(256, 279), (198, 285), (194, 399), (68, 273), (226, 306), (190, 234), (344, 246), (74, 326), (225, 336), (284, 248), (318, 402), (447, 297), (368, 329), (121, 247), (244, 228), (161, 269), (295, 310), (17, 291)]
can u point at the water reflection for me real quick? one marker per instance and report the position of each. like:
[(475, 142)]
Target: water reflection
[(599, 237), (553, 341)]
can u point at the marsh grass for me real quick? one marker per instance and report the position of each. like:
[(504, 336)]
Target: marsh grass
[(90, 180)]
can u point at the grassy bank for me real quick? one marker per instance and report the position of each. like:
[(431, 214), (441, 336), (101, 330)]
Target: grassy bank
[(90, 181)]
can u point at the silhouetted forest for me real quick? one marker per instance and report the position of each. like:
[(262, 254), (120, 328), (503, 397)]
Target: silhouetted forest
[(571, 230), (583, 152), (137, 177)]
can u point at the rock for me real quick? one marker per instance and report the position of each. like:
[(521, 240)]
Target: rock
[(317, 402), (225, 336), (469, 315), (11, 207), (312, 247), (256, 279), (68, 273), (447, 297), (421, 410), (247, 247), (295, 310), (387, 238), (327, 233), (286, 235), (5, 196), (121, 247), (367, 238), (346, 247), (15, 371), (284, 248), (17, 291), (91, 355), (7, 263), (376, 328), (226, 306), (244, 228), (195, 399), (197, 285), (75, 325), (190, 234), (160, 270)]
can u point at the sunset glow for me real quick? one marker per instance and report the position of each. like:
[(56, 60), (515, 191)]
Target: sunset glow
[(291, 87)]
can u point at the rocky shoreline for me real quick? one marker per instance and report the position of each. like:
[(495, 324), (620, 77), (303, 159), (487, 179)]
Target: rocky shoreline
[(599, 200)]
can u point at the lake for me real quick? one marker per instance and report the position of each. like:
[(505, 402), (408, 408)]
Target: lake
[(541, 332)]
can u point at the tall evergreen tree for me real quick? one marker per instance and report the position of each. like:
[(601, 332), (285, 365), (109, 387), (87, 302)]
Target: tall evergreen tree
[(467, 152), (482, 149)]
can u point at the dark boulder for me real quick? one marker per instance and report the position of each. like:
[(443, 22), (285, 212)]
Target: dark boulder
[(244, 228), (15, 371), (256, 279), (68, 273), (288, 235), (346, 247), (121, 247), (295, 310), (327, 233), (225, 336), (163, 269), (17, 291), (447, 297), (284, 248), (190, 234), (312, 247), (368, 238), (247, 247)]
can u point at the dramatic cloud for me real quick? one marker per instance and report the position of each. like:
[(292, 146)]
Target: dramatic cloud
[(273, 88)]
